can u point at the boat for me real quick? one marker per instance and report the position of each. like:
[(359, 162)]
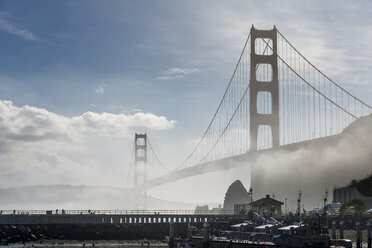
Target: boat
[(302, 235), (269, 235)]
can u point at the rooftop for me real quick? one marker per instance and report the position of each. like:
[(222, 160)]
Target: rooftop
[(266, 200)]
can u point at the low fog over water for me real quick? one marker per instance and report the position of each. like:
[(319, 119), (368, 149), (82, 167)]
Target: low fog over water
[(317, 166), (312, 168)]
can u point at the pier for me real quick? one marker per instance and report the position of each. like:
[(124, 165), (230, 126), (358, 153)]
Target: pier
[(37, 217)]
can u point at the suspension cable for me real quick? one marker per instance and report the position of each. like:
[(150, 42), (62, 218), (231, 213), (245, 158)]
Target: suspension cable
[(219, 105), (323, 73), (130, 163), (155, 155), (309, 83), (228, 124)]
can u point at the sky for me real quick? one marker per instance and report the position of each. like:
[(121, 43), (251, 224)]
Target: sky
[(79, 78)]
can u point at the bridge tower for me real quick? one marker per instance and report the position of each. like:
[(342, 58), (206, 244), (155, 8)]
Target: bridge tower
[(272, 86), (140, 161)]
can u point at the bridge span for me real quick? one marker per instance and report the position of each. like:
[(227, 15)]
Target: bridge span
[(246, 159)]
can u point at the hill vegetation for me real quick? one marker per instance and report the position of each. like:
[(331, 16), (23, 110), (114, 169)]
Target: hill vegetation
[(364, 185)]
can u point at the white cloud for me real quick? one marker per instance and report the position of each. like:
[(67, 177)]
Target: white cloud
[(100, 89), (164, 78), (33, 124), (176, 73), (182, 71), (5, 25), (137, 110), (41, 147)]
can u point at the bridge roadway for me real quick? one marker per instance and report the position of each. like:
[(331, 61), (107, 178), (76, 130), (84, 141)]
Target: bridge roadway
[(39, 217), (236, 161)]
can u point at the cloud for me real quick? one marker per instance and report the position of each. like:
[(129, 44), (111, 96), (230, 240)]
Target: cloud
[(41, 147), (34, 124), (164, 78), (5, 25), (137, 110), (100, 89), (176, 73), (182, 71)]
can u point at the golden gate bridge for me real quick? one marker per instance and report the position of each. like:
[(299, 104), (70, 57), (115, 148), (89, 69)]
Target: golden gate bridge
[(276, 99)]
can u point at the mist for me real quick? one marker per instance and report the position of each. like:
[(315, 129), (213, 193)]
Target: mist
[(51, 197), (312, 168)]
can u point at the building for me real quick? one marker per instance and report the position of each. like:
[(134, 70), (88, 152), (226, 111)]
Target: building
[(268, 206), (361, 189), (217, 210), (204, 209), (242, 209), (346, 194), (201, 209)]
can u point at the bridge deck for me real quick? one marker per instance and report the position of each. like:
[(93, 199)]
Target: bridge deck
[(233, 162)]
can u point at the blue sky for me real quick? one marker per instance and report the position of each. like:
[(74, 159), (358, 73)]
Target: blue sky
[(169, 59), (77, 46)]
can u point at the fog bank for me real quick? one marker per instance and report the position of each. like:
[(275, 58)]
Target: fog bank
[(326, 163)]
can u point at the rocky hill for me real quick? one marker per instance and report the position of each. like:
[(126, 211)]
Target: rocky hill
[(236, 194)]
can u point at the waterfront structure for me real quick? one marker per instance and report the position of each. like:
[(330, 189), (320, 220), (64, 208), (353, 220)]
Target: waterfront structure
[(201, 209), (242, 209), (268, 206), (348, 193), (36, 217)]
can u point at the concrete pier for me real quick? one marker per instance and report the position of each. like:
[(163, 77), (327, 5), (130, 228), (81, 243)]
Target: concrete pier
[(333, 229), (206, 235), (341, 230), (369, 234), (29, 219), (171, 235), (358, 235)]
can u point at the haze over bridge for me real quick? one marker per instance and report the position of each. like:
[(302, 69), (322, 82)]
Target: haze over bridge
[(276, 100)]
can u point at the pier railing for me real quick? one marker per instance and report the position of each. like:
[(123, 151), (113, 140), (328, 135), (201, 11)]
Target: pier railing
[(117, 212)]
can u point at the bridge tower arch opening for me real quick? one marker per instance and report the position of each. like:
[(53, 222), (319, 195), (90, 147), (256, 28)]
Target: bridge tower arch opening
[(264, 56)]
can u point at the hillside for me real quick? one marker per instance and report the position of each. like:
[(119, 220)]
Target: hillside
[(236, 194), (364, 185)]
